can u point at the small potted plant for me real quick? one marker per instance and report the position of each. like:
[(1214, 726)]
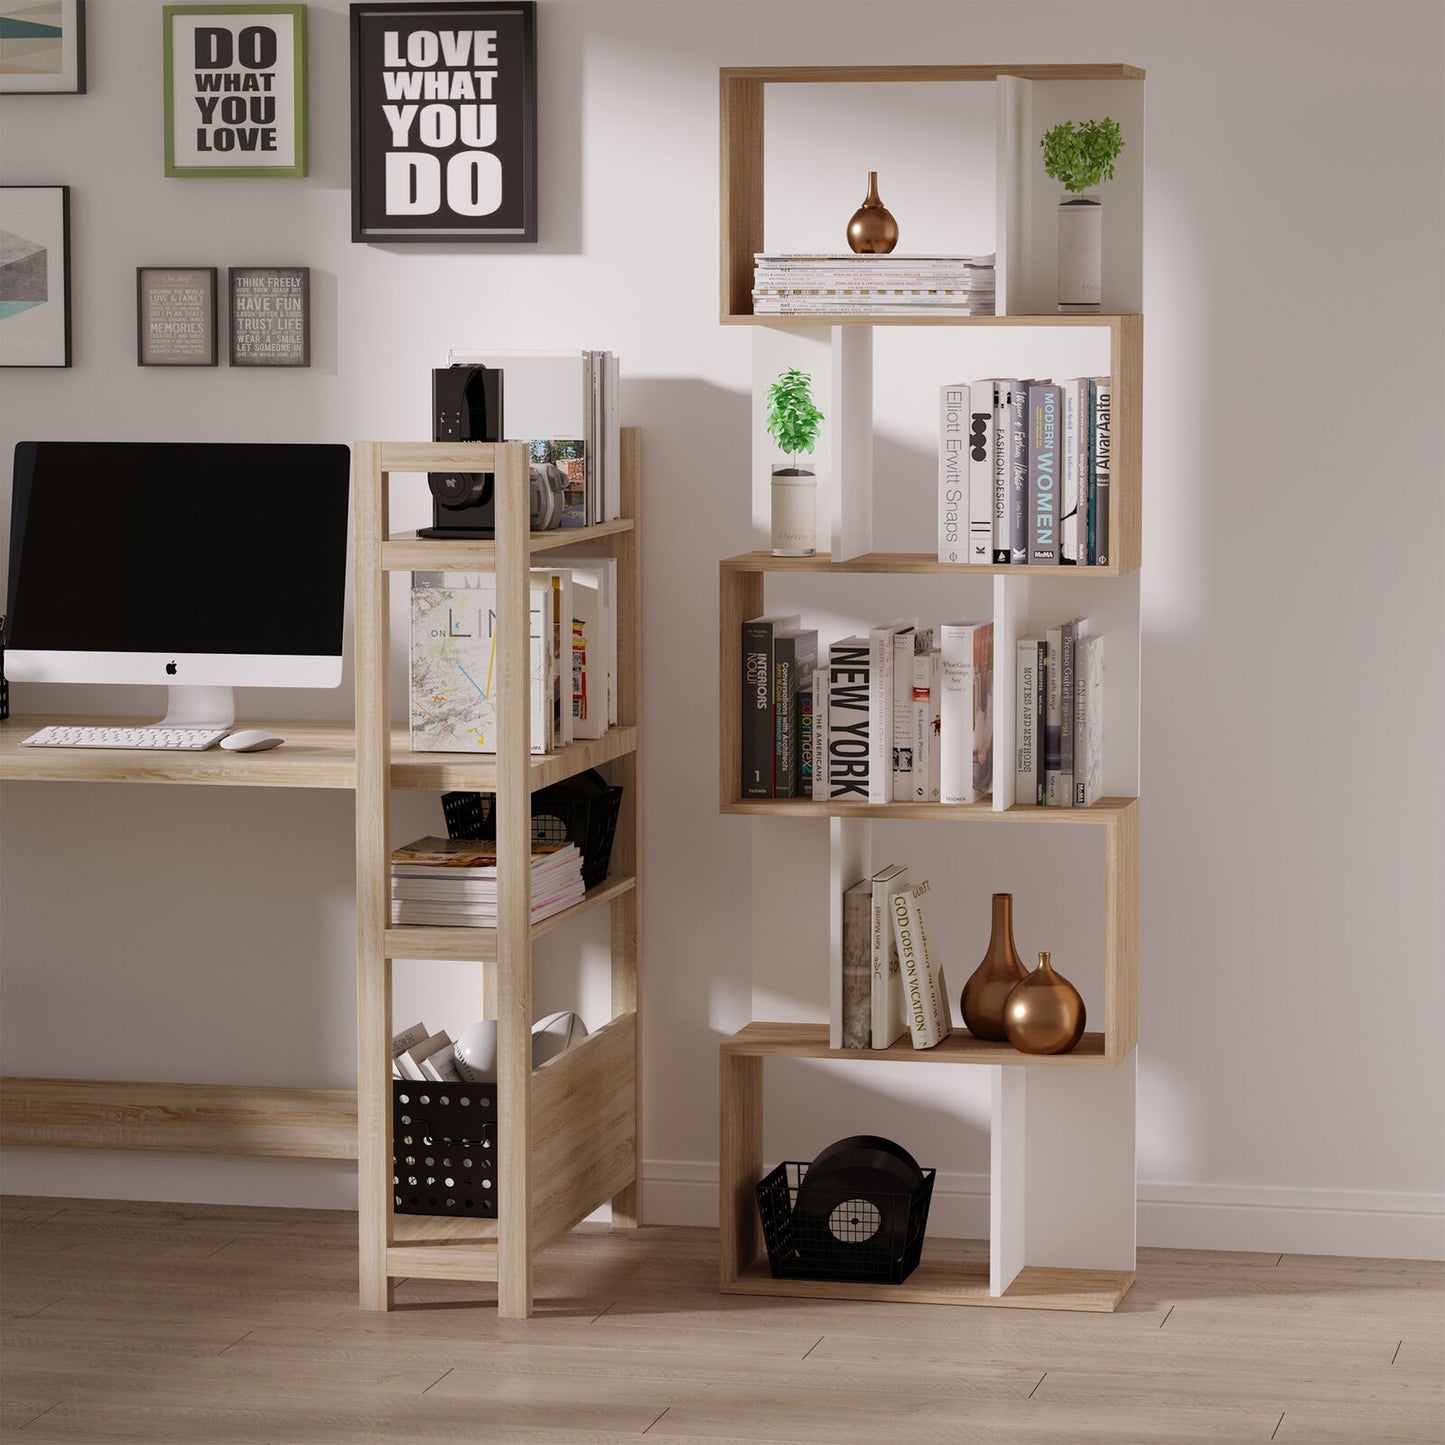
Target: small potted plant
[(793, 424), (1079, 157)]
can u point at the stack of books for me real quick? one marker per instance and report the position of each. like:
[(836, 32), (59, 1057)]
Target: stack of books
[(454, 881), (800, 285)]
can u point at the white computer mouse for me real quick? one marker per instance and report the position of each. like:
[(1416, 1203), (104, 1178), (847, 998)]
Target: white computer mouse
[(251, 740)]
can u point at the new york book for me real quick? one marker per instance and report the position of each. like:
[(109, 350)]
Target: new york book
[(849, 682)]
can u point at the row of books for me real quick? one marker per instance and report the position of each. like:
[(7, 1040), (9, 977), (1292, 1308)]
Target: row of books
[(565, 404), (882, 717), (573, 657), (1023, 472), (1059, 718), (889, 285), (891, 983), (887, 716), (453, 881)]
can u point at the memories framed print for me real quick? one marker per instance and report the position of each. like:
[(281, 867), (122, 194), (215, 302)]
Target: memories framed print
[(234, 83), (270, 315), (444, 121), (175, 315), (42, 47), (34, 275)]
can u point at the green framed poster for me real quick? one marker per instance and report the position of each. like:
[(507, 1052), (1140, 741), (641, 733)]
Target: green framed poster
[(235, 90)]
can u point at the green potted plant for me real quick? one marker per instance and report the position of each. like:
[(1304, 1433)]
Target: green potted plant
[(1079, 157), (793, 422)]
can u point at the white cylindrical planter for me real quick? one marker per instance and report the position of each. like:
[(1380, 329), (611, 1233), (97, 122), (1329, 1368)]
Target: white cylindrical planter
[(795, 512), (1081, 254)]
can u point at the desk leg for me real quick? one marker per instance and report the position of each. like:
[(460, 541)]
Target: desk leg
[(373, 1110)]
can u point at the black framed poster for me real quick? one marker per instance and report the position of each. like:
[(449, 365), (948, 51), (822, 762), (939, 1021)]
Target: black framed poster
[(175, 315), (270, 315), (34, 275), (444, 121)]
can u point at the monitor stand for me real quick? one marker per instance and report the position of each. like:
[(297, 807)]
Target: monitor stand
[(199, 707)]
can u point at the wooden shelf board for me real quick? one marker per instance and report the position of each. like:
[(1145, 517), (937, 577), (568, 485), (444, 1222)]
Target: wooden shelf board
[(179, 1118), (956, 1283), (462, 1259), (836, 318), (810, 1041), (1106, 810), (314, 755), (406, 552), (442, 772), (440, 1228), (472, 945), (899, 563), (895, 74)]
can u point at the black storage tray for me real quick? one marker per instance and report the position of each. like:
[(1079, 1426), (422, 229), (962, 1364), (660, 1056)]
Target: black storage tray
[(444, 1148), (880, 1242)]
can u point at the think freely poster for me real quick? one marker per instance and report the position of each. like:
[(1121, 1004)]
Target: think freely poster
[(270, 316), (443, 122)]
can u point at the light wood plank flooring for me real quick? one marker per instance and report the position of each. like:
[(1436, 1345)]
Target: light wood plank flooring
[(225, 1326)]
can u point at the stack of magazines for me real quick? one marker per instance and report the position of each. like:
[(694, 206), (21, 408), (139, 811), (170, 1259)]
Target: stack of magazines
[(454, 881), (798, 285)]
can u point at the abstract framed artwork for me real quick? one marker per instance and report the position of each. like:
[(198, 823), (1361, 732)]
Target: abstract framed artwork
[(34, 275), (234, 85), (270, 315), (444, 121), (175, 315), (42, 47)]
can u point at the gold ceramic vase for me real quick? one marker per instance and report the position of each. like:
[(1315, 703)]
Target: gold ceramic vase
[(1002, 970), (1044, 1014), (872, 231)]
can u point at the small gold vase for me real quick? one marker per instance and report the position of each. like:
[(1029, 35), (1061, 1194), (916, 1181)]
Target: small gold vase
[(1044, 1014), (872, 231), (1002, 970)]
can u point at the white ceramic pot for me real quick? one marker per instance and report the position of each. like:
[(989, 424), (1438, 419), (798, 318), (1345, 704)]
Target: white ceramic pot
[(1081, 253), (795, 512)]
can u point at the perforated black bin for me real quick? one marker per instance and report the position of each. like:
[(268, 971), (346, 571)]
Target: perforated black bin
[(582, 810), (444, 1148), (878, 1239)]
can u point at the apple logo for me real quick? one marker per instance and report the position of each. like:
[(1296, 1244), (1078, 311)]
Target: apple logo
[(170, 669)]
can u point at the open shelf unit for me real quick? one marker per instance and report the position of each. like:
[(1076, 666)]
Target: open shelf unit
[(1062, 1126), (567, 1136)]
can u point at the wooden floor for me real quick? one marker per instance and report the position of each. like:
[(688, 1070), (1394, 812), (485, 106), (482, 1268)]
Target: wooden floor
[(215, 1326)]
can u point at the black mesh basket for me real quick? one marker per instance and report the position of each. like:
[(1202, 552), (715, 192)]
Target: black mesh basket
[(444, 1148), (876, 1239), (583, 810)]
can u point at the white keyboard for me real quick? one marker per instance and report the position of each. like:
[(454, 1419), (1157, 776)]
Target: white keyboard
[(169, 740)]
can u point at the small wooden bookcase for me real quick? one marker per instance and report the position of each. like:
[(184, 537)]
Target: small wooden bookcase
[(567, 1132)]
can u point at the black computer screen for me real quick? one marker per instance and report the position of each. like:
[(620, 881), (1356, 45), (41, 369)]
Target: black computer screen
[(188, 547)]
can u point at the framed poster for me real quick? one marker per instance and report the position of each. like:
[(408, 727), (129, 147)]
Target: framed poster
[(42, 47), (175, 315), (235, 90), (270, 315), (34, 275), (444, 121)]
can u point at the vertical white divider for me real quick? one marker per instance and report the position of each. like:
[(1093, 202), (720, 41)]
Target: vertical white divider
[(850, 859), (1010, 622), (1079, 1189), (1012, 130), (1007, 1177), (852, 422)]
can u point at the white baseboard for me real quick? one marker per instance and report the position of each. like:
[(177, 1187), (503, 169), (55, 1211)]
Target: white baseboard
[(1381, 1225)]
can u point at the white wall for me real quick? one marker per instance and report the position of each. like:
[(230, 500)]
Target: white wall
[(1291, 1082)]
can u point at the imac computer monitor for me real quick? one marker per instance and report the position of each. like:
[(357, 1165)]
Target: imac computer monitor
[(202, 566)]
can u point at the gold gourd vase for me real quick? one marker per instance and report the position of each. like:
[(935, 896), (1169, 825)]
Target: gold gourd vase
[(1044, 1014), (872, 231), (1002, 970)]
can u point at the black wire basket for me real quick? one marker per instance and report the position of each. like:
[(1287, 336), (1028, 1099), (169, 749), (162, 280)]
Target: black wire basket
[(875, 1238), (582, 810), (444, 1148)]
